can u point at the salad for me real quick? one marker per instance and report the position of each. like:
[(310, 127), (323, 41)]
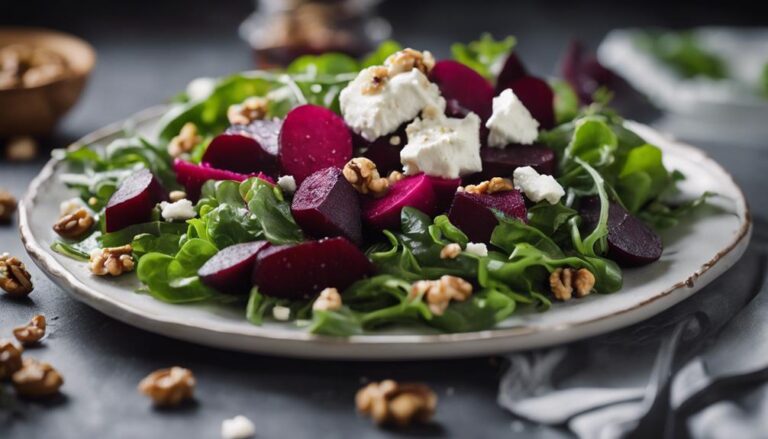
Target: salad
[(346, 196)]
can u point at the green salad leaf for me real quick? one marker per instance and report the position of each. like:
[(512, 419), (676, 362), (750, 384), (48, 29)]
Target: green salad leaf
[(683, 53), (566, 101), (329, 63), (378, 56), (485, 55), (271, 211), (174, 278), (128, 234)]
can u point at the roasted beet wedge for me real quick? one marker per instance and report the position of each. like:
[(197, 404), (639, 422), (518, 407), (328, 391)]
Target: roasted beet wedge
[(466, 86), (133, 201), (302, 270), (313, 138), (502, 162), (192, 176), (538, 98), (512, 71), (445, 190), (473, 213), (631, 243), (229, 271), (326, 205), (246, 148), (584, 72), (384, 213)]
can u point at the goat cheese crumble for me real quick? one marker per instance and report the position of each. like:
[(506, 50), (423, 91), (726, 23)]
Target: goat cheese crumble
[(477, 248), (511, 122), (440, 146), (402, 97), (537, 187), (238, 427), (181, 210), (287, 183), (282, 313)]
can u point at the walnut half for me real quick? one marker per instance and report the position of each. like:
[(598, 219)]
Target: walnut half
[(492, 186), (253, 108), (32, 332), (168, 387), (14, 277), (74, 225), (7, 206), (565, 281), (186, 141), (389, 402), (439, 293), (112, 261), (362, 174), (36, 379), (10, 359)]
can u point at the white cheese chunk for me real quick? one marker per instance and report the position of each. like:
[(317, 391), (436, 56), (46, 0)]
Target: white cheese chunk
[(442, 147), (511, 122), (477, 248), (238, 427), (200, 88), (537, 187), (181, 210), (281, 313), (287, 183), (402, 97)]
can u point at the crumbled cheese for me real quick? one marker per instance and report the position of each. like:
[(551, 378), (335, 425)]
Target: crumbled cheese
[(442, 147), (281, 313), (181, 210), (403, 96), (477, 248), (511, 122), (537, 187), (200, 88), (238, 427), (70, 206), (287, 183), (395, 140)]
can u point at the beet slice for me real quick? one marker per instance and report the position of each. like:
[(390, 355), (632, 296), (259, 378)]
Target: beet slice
[(229, 270), (631, 243), (502, 162), (384, 213), (445, 190), (133, 201), (538, 98), (584, 72), (466, 86), (512, 71), (313, 138), (326, 205), (192, 176), (246, 148), (302, 270), (473, 213)]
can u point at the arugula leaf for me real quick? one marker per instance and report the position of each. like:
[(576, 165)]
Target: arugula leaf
[(70, 250), (271, 211), (127, 235), (167, 244), (566, 101), (484, 55), (642, 177), (593, 141), (122, 153), (662, 215), (378, 56), (683, 52), (258, 306), (330, 63), (549, 218), (174, 279), (341, 323)]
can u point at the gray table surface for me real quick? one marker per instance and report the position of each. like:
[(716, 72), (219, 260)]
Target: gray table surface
[(146, 57)]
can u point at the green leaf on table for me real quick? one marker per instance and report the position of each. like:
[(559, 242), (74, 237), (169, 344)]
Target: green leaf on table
[(485, 55)]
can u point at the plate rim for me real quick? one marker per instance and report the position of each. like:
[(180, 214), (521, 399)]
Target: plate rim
[(175, 327)]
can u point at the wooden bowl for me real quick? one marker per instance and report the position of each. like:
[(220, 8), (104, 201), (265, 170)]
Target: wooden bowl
[(36, 110)]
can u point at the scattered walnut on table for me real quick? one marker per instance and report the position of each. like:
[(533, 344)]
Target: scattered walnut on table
[(450, 251), (328, 300), (21, 149), (74, 225), (362, 174), (492, 186), (186, 141), (112, 261), (14, 277), (10, 358), (389, 402), (439, 293), (565, 281), (408, 59), (36, 379), (251, 109), (8, 206), (32, 332), (168, 387)]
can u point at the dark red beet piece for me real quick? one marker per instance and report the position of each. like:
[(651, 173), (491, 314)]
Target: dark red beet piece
[(302, 270), (445, 190), (538, 98), (502, 162), (384, 213), (584, 72), (313, 138), (246, 148), (512, 71), (472, 213), (229, 270), (192, 176), (384, 151), (466, 86), (133, 201), (631, 243), (326, 205)]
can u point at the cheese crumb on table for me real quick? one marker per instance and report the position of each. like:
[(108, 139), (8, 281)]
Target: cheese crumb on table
[(238, 427)]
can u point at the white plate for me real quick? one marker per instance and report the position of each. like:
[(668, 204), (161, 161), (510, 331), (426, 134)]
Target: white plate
[(695, 254)]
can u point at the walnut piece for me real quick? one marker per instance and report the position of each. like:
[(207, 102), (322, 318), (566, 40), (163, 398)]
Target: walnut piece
[(175, 196), (409, 59), (10, 359), (112, 261), (32, 332), (328, 300), (362, 174), (564, 281), (36, 379), (186, 141), (450, 251), (168, 387), (379, 77), (14, 277), (74, 225), (439, 293), (389, 402), (253, 108), (492, 186), (21, 149), (394, 177), (7, 206)]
